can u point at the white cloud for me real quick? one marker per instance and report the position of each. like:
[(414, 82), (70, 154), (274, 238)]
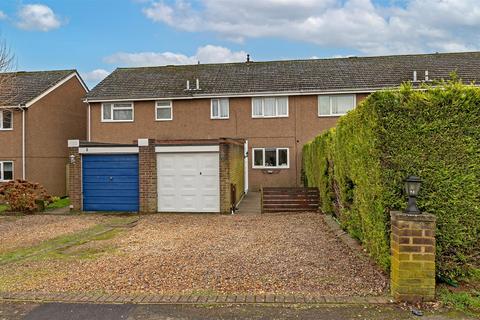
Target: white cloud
[(3, 16), (205, 54), (37, 17), (96, 75), (418, 25)]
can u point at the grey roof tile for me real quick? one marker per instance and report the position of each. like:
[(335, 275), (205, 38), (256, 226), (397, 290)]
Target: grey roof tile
[(284, 76), (25, 86)]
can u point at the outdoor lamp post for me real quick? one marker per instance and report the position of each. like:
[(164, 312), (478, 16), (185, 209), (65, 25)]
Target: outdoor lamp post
[(412, 186)]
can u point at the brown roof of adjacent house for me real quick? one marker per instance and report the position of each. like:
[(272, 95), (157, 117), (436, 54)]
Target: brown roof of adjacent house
[(18, 88), (314, 75)]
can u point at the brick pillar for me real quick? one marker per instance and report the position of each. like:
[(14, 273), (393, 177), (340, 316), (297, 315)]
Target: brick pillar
[(225, 201), (147, 160), (413, 256), (74, 175)]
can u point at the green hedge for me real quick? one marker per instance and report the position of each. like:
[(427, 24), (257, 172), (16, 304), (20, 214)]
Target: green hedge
[(432, 133)]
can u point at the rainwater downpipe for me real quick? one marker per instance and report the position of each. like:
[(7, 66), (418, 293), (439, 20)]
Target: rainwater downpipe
[(23, 144)]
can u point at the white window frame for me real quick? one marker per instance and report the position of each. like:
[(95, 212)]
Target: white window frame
[(2, 172), (330, 99), (219, 117), (170, 106), (112, 107), (276, 107), (1, 120), (270, 167)]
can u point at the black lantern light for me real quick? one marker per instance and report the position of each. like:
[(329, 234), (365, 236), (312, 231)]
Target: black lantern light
[(412, 187)]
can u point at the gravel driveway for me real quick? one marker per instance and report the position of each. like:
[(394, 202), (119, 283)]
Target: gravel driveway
[(212, 254)]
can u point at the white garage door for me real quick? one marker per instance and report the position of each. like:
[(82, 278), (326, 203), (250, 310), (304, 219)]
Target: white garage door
[(188, 182)]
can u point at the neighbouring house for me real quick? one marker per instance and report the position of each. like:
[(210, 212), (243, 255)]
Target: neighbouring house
[(39, 112), (184, 112)]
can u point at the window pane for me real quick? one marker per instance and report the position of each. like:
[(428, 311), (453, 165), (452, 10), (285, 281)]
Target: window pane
[(164, 113), (224, 108), (215, 108), (323, 105), (165, 103), (122, 105), (282, 104), (258, 157), (257, 107), (122, 115), (7, 119), (342, 104), (107, 112), (282, 157), (270, 157), (7, 171), (269, 110)]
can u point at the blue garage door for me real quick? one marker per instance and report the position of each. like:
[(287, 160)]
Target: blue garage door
[(110, 182)]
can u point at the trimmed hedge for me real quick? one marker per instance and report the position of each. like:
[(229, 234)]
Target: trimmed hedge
[(433, 134)]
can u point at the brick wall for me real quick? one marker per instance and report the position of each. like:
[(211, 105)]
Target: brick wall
[(413, 256), (147, 160), (75, 179), (231, 172)]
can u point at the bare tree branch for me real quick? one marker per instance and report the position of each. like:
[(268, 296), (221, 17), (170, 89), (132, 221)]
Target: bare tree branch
[(8, 90)]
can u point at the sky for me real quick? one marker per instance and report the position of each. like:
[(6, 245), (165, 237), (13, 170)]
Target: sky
[(97, 36)]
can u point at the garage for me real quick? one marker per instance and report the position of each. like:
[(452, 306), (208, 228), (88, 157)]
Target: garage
[(188, 182), (110, 182)]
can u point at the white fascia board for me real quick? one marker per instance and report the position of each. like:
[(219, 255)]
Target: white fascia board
[(243, 95), (11, 107), (45, 93), (143, 142), (107, 150), (257, 94), (186, 149), (73, 143)]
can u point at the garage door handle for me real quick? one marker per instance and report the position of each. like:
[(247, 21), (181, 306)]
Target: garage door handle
[(110, 178), (200, 173)]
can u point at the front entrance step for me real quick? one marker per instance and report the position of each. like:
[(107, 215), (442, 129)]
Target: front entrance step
[(289, 199)]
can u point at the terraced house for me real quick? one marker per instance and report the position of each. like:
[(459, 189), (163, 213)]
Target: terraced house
[(39, 112), (271, 109)]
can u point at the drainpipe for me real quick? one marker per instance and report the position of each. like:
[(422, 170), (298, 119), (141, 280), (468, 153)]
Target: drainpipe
[(88, 124), (23, 144)]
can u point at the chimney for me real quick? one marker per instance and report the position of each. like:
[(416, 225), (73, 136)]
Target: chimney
[(188, 84), (415, 76), (426, 75), (248, 57), (198, 84)]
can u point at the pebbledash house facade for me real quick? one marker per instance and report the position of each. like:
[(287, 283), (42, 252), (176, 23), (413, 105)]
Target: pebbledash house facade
[(196, 138)]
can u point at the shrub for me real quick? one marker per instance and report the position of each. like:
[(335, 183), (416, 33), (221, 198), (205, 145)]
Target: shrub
[(432, 133), (24, 196)]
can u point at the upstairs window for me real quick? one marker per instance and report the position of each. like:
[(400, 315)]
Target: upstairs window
[(6, 170), (270, 107), (6, 120), (117, 112), (220, 109), (163, 110), (335, 105), (270, 158)]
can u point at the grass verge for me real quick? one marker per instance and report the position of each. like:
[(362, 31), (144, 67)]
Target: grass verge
[(59, 247), (465, 297), (60, 203)]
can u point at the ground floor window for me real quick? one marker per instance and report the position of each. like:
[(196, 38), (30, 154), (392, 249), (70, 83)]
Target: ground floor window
[(6, 170), (270, 158)]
